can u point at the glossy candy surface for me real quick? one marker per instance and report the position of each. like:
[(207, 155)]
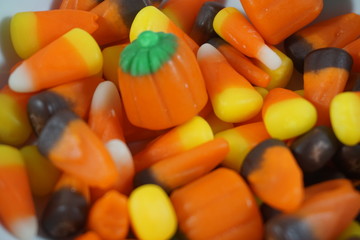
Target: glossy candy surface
[(201, 205), (233, 98), (17, 209), (66, 211), (71, 146), (151, 99), (151, 213), (326, 72), (286, 114), (276, 20), (274, 176), (245, 38), (75, 51), (41, 28)]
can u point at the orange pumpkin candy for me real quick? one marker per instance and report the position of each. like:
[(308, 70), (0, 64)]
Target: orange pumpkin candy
[(160, 81)]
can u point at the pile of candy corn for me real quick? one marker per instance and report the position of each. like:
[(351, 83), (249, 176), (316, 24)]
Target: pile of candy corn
[(173, 119)]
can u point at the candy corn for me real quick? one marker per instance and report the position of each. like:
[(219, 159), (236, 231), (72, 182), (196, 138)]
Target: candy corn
[(65, 213), (286, 114), (276, 20), (332, 203), (203, 29), (75, 96), (279, 77), (72, 56), (334, 32), (43, 175), (115, 19), (175, 171), (15, 127), (274, 176), (244, 37), (233, 98), (241, 64), (152, 214), (106, 108), (326, 72), (41, 28), (179, 139), (71, 146), (345, 115), (17, 210), (184, 12), (315, 148), (241, 140), (111, 57)]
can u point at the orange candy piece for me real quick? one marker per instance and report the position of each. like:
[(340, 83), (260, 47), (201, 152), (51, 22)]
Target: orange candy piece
[(74, 148), (218, 205), (183, 168), (109, 216), (276, 20), (274, 176), (329, 207), (244, 36)]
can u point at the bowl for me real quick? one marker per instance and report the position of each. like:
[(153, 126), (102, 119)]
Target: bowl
[(8, 56)]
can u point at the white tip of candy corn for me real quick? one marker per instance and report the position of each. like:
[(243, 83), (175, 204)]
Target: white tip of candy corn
[(269, 58), (20, 79), (207, 50), (119, 152), (25, 229), (104, 93)]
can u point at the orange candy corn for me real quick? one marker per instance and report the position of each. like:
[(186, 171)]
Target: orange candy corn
[(329, 207), (275, 21), (152, 19), (106, 108), (178, 170), (17, 210), (79, 4), (184, 12), (244, 37), (66, 211), (122, 158), (109, 216), (73, 56), (274, 176), (207, 208), (115, 19), (160, 81), (326, 72), (334, 32), (241, 140), (353, 49), (233, 98), (286, 114), (241, 64), (41, 28), (71, 146), (75, 96), (179, 139)]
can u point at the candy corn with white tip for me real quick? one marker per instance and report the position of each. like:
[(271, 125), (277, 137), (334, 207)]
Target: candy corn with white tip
[(244, 36), (72, 56), (17, 211)]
